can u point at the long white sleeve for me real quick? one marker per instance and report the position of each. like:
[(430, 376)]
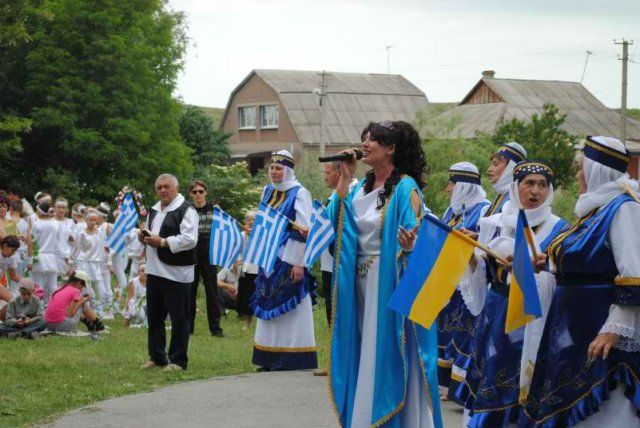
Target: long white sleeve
[(294, 250), (623, 239)]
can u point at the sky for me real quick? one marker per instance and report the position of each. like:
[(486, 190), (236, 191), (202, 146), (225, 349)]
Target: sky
[(441, 46)]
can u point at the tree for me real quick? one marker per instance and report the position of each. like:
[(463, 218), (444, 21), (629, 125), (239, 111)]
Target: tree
[(232, 187), (208, 144), (96, 81), (544, 139)]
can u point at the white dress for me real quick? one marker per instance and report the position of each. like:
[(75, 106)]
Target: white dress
[(87, 254), (67, 230), (135, 311), (293, 331), (47, 234), (416, 412)]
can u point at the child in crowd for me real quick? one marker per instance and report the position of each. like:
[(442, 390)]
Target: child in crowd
[(67, 233), (68, 306), (248, 274), (135, 310), (105, 293), (46, 235), (86, 256)]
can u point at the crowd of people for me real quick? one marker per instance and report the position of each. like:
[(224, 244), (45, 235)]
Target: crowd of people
[(578, 364)]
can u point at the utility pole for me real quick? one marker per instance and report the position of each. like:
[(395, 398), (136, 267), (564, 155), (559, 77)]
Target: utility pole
[(322, 93), (623, 108), (388, 48), (589, 53)]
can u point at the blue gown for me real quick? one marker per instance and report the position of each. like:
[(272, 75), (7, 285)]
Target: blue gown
[(455, 322), (392, 350), (566, 388)]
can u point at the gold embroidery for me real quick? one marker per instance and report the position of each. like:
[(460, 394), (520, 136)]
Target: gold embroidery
[(494, 206), (553, 251), (627, 281), (608, 151), (363, 268), (278, 349)]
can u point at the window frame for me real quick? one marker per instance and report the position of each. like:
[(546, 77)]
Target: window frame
[(240, 109), (262, 109)]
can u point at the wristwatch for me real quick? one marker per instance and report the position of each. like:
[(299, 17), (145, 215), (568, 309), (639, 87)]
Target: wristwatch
[(163, 243)]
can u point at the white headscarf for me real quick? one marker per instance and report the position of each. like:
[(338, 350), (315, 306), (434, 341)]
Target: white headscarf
[(289, 178), (535, 216), (503, 185), (603, 183), (466, 194)]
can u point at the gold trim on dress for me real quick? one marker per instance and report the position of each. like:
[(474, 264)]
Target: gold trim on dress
[(287, 350), (627, 281)]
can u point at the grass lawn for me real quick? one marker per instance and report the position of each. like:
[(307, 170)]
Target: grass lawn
[(44, 378)]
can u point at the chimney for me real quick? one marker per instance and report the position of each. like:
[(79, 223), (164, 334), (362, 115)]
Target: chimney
[(488, 74)]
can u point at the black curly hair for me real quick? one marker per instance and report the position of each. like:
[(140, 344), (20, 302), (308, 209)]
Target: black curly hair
[(408, 158)]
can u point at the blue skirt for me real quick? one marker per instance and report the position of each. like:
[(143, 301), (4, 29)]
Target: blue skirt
[(567, 388), (456, 327), (493, 371), (277, 294)]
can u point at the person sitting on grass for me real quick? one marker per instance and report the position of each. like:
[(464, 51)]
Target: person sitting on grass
[(24, 313), (9, 263), (68, 306), (228, 288), (135, 313)]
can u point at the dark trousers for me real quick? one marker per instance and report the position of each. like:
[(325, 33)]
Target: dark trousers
[(168, 297), (326, 290), (31, 328), (209, 276)]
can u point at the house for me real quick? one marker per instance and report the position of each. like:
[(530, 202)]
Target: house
[(493, 101), (272, 110)]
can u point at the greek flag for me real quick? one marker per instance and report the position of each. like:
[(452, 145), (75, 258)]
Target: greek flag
[(125, 223), (225, 241), (266, 235), (320, 235)]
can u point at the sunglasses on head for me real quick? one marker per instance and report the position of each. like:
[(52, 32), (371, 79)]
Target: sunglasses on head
[(197, 192), (387, 124)]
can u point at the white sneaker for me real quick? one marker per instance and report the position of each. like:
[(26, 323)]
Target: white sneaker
[(148, 365), (172, 368)]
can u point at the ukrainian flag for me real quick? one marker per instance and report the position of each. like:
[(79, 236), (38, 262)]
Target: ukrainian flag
[(524, 302), (433, 271)]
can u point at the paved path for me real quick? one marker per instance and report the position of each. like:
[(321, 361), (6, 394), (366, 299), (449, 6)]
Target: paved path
[(278, 399)]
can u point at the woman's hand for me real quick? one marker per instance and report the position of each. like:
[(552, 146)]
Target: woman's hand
[(540, 263), (347, 172), (297, 272), (469, 233), (407, 238), (602, 345)]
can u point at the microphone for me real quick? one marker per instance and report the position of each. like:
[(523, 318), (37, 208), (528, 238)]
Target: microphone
[(340, 157)]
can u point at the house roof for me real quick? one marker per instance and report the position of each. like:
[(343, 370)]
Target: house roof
[(352, 101), (520, 99)]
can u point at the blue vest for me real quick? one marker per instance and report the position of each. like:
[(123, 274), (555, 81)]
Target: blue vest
[(497, 204), (469, 220)]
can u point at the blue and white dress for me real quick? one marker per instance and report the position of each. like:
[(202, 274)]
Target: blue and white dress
[(284, 338), (492, 373), (455, 322), (597, 269)]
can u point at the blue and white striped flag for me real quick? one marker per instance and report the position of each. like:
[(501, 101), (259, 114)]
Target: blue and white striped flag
[(320, 235), (225, 241), (266, 235), (125, 223)]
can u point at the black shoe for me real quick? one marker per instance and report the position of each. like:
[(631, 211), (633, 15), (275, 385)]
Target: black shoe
[(217, 333)]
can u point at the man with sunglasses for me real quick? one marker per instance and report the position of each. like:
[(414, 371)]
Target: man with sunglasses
[(198, 193)]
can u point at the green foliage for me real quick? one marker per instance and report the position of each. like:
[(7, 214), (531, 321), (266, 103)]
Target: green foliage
[(565, 201), (95, 80), (543, 139), (232, 187), (208, 145), (634, 113)]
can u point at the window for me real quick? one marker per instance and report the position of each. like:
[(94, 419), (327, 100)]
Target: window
[(246, 117), (268, 116)]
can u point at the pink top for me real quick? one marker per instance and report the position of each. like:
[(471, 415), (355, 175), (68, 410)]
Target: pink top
[(57, 308)]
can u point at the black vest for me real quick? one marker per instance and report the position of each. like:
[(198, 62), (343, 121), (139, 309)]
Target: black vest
[(171, 227)]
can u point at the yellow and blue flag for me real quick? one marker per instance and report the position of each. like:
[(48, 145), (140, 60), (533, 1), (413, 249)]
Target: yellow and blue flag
[(524, 302), (433, 271)]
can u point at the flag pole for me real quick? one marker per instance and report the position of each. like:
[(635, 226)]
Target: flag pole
[(480, 246), (529, 236)]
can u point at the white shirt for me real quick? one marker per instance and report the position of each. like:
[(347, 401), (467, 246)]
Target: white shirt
[(186, 240), (228, 276)]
